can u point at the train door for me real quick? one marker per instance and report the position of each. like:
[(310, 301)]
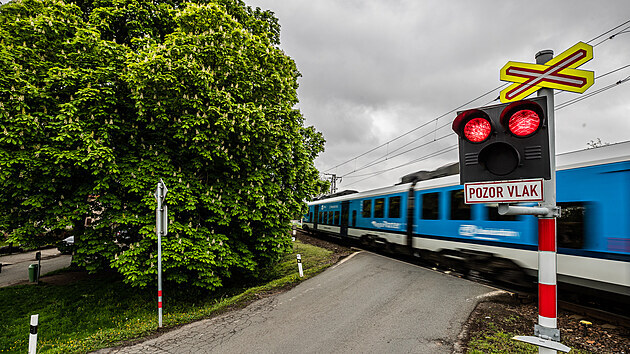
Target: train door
[(316, 217), (345, 211), (411, 203)]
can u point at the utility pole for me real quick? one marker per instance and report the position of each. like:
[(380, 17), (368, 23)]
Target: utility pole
[(333, 182)]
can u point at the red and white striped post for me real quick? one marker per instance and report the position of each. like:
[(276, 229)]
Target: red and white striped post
[(547, 335), (547, 261), (160, 306), (547, 304), (547, 327)]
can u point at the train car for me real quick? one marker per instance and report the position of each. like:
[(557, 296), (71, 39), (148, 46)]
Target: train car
[(428, 218)]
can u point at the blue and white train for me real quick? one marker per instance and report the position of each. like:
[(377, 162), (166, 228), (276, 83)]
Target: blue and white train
[(428, 218)]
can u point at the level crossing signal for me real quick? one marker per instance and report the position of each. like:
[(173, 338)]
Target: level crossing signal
[(504, 142)]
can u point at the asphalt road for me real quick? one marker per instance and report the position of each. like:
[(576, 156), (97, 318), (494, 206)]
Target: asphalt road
[(367, 304), (15, 266)]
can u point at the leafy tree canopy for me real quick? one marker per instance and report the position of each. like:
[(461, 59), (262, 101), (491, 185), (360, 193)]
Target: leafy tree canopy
[(101, 99)]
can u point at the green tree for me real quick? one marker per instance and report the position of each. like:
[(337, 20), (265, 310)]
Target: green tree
[(100, 99)]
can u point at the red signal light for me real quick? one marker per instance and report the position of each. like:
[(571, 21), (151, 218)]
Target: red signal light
[(524, 123), (477, 130)]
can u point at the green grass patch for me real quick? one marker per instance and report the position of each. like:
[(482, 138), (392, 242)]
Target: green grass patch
[(494, 340), (498, 342), (101, 311)]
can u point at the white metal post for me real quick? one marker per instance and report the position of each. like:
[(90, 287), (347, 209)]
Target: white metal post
[(32, 337), (161, 225)]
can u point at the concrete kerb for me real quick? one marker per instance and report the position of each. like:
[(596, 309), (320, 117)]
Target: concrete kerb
[(28, 256)]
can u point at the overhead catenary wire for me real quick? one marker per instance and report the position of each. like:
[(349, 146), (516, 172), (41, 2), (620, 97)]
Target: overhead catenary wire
[(434, 154), (612, 36), (558, 107), (382, 159), (593, 93), (600, 76), (611, 72), (404, 164), (389, 156), (416, 128), (450, 148), (580, 98)]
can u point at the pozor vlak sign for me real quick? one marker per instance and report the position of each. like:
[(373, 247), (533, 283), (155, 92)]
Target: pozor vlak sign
[(528, 190)]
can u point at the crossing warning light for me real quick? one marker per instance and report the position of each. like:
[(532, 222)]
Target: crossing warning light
[(504, 142)]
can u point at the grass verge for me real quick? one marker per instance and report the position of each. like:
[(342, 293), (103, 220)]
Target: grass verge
[(495, 337), (101, 311)]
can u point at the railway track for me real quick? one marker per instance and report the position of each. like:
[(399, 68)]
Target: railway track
[(590, 306)]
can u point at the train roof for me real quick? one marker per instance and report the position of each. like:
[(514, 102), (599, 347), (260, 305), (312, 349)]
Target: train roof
[(592, 157), (606, 154)]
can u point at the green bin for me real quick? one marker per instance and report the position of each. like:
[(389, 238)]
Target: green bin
[(33, 271)]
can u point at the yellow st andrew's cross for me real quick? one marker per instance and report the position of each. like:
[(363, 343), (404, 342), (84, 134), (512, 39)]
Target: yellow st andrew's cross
[(558, 73)]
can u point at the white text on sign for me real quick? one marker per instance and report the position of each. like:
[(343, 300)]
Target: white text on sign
[(504, 191)]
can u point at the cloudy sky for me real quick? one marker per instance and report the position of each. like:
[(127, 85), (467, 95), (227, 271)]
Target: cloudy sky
[(373, 70)]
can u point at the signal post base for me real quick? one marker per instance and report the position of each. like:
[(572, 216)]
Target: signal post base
[(543, 343)]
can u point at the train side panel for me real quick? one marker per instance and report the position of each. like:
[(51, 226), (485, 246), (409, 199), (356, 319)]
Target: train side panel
[(594, 229), (380, 218)]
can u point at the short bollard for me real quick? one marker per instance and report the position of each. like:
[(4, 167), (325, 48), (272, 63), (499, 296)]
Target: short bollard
[(299, 260), (32, 338)]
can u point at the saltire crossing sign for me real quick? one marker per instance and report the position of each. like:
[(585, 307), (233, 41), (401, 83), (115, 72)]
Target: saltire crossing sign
[(559, 73)]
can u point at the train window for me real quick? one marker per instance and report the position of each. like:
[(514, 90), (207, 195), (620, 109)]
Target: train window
[(367, 209), (320, 219), (330, 218), (310, 217), (430, 206), (394, 207), (570, 225), (336, 218), (379, 208), (354, 218), (459, 209), (493, 214)]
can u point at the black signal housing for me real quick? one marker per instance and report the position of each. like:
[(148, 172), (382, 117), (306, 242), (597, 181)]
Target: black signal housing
[(505, 154)]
